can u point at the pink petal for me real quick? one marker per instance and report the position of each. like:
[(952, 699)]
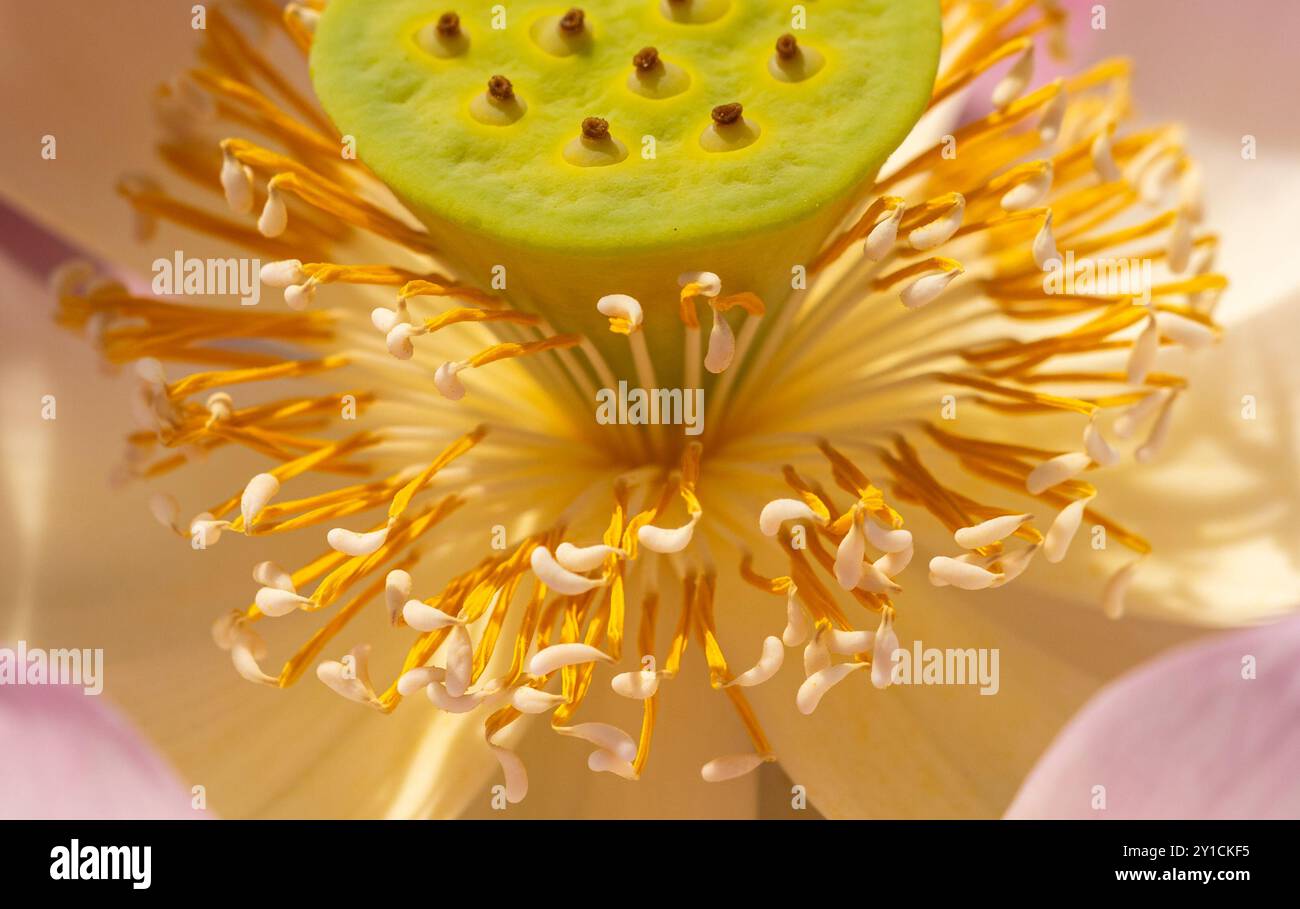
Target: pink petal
[(1185, 736), (64, 754)]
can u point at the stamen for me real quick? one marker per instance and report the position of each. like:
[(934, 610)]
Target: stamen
[(769, 663), (557, 656), (816, 685)]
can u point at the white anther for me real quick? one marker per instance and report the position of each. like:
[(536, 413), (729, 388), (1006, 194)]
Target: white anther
[(1187, 332), (991, 531), (236, 183), (730, 767), (941, 229), (959, 574), (1029, 193), (882, 655), (275, 216), (384, 319), (397, 590), (557, 656), (874, 580), (816, 655), (604, 736), (1056, 471), (150, 370), (814, 687), (1013, 564), (585, 558), (257, 494), (557, 577), (1112, 597), (797, 624), (165, 509), (892, 564), (351, 681), (1180, 244), (413, 681), (1143, 356), (883, 236), (887, 540), (1133, 417), (349, 542), (460, 661), (1049, 127), (269, 574), (710, 284), (220, 406), (1103, 159), (1013, 84), (246, 649), (1156, 178), (448, 383), (1046, 255), (778, 511), (299, 296), (849, 642), (442, 699), (637, 685), (1150, 449), (621, 306), (423, 617), (924, 289), (206, 530), (1066, 524), (226, 629), (602, 761), (516, 776), (769, 663), (398, 342), (667, 540), (1095, 444), (530, 700), (850, 553), (282, 273), (274, 602), (722, 345)]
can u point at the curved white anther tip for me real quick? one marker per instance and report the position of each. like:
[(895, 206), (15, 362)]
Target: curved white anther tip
[(621, 306), (275, 601), (557, 577), (722, 345), (349, 542), (150, 369), (557, 656), (945, 571), (604, 736), (768, 665), (602, 761), (165, 509), (384, 319), (299, 296), (667, 540), (282, 273), (989, 532), (814, 687), (256, 496), (1056, 470), (585, 558), (926, 288), (423, 617), (883, 236), (399, 344), (778, 511), (515, 774), (448, 383), (637, 685), (710, 284), (530, 700), (269, 574), (730, 767), (413, 681), (275, 216)]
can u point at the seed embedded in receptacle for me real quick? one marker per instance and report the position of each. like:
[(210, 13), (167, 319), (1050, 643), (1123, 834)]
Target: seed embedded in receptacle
[(499, 105), (595, 129), (727, 114), (792, 62), (729, 130), (501, 88), (444, 37), (654, 77), (562, 36), (594, 146), (573, 22), (448, 25), (647, 59)]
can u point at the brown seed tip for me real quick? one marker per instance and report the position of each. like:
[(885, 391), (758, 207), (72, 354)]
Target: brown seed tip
[(449, 25), (646, 59), (500, 88), (727, 114), (595, 129), (573, 22), (787, 48)]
